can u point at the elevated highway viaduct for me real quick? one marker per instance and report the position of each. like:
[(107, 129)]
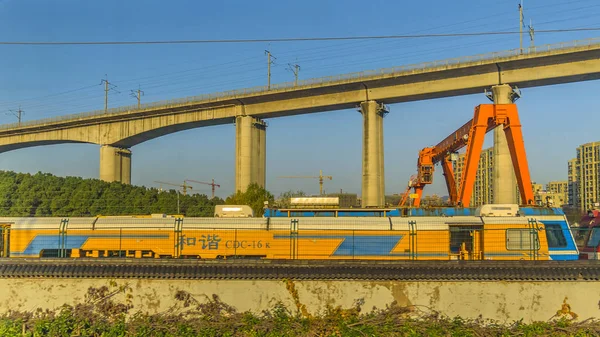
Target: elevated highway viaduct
[(119, 129)]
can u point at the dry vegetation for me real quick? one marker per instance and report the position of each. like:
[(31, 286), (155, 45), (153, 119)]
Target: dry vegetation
[(102, 315)]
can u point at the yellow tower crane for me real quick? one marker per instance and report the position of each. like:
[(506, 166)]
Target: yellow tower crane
[(321, 177), (213, 185), (184, 187)]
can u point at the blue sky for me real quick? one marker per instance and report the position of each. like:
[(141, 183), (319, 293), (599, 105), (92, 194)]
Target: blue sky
[(556, 119)]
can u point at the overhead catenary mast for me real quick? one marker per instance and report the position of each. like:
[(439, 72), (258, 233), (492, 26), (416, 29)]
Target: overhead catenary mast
[(107, 87), (138, 95)]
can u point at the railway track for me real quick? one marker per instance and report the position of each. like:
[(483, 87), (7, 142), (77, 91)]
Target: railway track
[(302, 270)]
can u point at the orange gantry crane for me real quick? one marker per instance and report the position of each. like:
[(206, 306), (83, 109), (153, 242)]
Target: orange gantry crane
[(212, 184), (486, 118)]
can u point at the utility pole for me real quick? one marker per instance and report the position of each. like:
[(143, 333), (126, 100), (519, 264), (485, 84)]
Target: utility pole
[(521, 27), (107, 87), (17, 114), (137, 94), (269, 62), (295, 69), (531, 33)]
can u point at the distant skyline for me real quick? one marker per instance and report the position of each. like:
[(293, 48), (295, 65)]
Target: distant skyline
[(51, 81)]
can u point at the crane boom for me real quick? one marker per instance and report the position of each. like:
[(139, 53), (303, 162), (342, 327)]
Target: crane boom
[(184, 186), (321, 177), (213, 185)]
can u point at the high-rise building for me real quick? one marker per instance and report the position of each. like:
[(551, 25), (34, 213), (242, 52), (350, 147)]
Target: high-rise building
[(543, 198), (482, 189), (557, 186), (558, 192), (537, 188), (584, 176), (573, 187)]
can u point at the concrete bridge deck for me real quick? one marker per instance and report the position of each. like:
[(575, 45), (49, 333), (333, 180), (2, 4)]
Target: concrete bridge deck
[(118, 129), (503, 65)]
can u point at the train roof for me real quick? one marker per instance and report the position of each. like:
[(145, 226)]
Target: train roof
[(410, 212), (458, 211)]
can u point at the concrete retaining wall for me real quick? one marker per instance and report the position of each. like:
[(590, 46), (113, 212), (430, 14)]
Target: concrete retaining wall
[(502, 301)]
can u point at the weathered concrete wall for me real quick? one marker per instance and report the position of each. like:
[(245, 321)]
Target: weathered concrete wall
[(502, 301)]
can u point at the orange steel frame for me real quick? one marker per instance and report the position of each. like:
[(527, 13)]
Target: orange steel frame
[(486, 118)]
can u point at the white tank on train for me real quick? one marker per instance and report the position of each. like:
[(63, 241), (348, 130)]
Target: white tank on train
[(312, 202), (497, 210), (233, 211)]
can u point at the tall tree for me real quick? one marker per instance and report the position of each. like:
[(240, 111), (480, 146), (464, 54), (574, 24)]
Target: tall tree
[(254, 196), (433, 201)]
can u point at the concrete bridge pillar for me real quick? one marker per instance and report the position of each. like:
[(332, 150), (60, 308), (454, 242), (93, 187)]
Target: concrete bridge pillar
[(115, 164), (373, 175), (504, 184), (250, 152)]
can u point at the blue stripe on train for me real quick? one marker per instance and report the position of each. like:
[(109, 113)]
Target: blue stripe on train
[(353, 245), (40, 242)]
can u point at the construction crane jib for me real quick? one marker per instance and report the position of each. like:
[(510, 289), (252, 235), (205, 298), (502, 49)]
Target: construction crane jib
[(321, 177), (212, 184), (183, 186), (471, 134)]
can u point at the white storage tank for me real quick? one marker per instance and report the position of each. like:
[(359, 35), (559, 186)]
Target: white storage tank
[(233, 211)]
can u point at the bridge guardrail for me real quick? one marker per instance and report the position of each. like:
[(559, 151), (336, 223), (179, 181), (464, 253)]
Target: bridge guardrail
[(315, 82)]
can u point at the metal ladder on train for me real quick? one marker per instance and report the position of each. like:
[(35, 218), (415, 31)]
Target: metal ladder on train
[(62, 238), (534, 242)]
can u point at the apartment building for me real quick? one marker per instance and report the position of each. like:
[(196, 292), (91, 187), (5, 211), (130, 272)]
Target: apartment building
[(482, 189), (584, 177)]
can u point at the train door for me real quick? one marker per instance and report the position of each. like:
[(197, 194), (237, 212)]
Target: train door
[(294, 239), (4, 240), (466, 242), (525, 241)]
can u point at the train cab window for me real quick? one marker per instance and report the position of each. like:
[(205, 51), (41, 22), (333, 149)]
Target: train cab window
[(522, 239), (556, 236), (594, 239)]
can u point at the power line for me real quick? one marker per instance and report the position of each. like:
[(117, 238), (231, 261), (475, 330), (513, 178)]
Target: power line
[(186, 73), (291, 39), (50, 95), (312, 49)]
